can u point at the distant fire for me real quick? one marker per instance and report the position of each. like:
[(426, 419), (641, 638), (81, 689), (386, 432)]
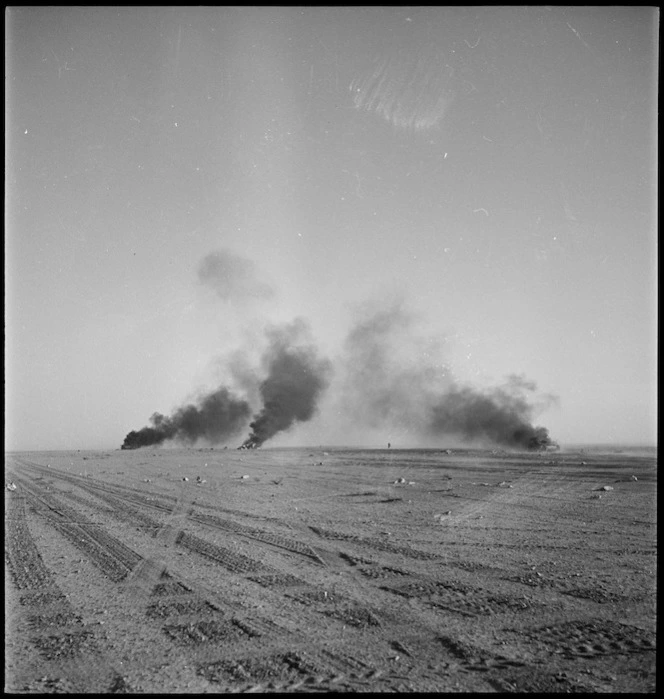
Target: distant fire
[(386, 377), (394, 378), (295, 379)]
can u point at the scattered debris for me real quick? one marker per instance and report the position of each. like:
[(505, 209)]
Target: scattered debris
[(200, 480), (411, 482), (634, 478), (605, 487), (443, 514), (244, 478), (399, 481), (185, 478), (147, 480), (11, 486)]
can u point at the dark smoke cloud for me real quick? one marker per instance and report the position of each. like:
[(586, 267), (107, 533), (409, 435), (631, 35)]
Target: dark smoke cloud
[(233, 278), (296, 378), (502, 415), (394, 378), (218, 416)]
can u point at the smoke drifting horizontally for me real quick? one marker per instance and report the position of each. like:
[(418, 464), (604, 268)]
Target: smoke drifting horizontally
[(393, 379), (501, 416), (294, 379), (219, 416)]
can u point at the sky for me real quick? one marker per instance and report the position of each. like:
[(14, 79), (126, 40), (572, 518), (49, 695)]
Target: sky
[(180, 181)]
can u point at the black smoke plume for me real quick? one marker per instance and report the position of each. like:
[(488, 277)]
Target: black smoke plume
[(217, 417), (394, 378), (296, 378), (502, 416)]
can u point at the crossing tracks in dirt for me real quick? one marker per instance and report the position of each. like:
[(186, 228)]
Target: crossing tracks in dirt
[(165, 586)]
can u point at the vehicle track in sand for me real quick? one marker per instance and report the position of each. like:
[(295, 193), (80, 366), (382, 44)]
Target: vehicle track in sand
[(65, 644), (203, 595), (187, 618)]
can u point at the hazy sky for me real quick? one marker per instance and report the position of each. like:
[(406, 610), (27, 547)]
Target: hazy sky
[(177, 178)]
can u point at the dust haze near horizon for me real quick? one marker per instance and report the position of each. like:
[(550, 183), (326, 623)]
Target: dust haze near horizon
[(180, 179)]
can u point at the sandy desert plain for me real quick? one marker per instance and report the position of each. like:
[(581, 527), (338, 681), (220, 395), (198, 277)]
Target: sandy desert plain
[(308, 570)]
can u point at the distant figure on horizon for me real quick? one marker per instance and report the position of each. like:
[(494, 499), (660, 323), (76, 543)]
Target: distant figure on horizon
[(388, 445)]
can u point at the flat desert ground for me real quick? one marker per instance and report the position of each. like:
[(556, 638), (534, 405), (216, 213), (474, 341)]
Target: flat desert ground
[(217, 570)]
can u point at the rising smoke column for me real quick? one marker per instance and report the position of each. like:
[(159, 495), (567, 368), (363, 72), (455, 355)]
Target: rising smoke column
[(396, 379), (217, 417), (296, 378)]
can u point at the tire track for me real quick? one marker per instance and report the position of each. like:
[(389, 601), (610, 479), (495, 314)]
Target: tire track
[(164, 503), (458, 598), (346, 610), (204, 630), (59, 634), (140, 574), (292, 670), (186, 617), (266, 537), (25, 562), (213, 638), (378, 544), (109, 554), (582, 638), (503, 673), (117, 497), (200, 624), (234, 562), (134, 515)]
